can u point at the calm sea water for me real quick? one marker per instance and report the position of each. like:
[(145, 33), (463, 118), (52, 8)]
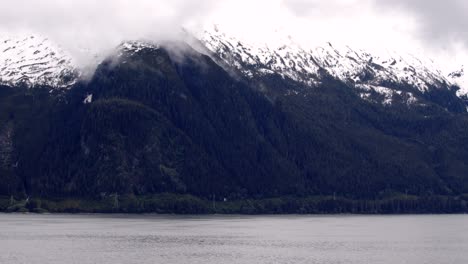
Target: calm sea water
[(83, 239)]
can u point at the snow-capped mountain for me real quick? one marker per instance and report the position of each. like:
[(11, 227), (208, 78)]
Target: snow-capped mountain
[(162, 117), (35, 60), (389, 74)]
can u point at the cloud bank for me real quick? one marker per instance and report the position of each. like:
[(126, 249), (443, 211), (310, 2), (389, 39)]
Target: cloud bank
[(93, 25), (440, 22), (438, 28)]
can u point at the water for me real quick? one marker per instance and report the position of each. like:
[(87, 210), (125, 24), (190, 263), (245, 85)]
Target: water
[(84, 239)]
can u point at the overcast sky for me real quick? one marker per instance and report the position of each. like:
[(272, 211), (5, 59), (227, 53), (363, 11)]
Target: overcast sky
[(433, 27)]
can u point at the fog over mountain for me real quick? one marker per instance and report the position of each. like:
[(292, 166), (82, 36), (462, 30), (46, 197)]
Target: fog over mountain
[(86, 28), (99, 26)]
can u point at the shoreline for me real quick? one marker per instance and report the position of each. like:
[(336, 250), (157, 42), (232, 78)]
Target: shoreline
[(183, 204)]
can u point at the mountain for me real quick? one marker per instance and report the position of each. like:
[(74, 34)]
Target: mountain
[(180, 126), (35, 60), (391, 76)]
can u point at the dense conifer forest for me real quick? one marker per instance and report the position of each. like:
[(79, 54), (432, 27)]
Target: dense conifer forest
[(171, 135)]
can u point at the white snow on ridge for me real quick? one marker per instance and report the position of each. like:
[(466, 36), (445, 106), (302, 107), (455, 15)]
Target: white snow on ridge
[(460, 79), (288, 60), (352, 66), (137, 46), (34, 60)]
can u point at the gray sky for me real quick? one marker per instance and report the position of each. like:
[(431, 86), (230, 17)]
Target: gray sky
[(440, 22), (435, 27)]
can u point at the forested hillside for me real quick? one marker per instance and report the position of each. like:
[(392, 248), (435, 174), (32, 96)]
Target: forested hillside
[(161, 131)]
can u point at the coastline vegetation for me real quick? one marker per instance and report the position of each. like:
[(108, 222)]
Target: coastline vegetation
[(168, 203)]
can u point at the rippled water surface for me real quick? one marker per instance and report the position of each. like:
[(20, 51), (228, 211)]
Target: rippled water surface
[(83, 239)]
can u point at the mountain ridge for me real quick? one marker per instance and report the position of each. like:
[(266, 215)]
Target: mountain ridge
[(165, 118), (37, 61), (359, 69)]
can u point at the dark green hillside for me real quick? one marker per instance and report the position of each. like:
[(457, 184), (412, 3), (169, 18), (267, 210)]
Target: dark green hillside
[(161, 123)]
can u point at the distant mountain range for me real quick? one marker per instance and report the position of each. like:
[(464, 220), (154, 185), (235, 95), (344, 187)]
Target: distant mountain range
[(216, 116), (35, 60)]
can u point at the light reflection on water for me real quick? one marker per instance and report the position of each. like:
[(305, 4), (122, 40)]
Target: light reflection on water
[(85, 239)]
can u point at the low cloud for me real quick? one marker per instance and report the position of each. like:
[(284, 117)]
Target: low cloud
[(101, 25), (333, 8), (409, 25), (358, 23)]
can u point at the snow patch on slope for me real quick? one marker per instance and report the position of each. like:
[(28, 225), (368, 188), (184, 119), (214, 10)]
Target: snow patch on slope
[(388, 96), (88, 99), (35, 60), (137, 46), (460, 79)]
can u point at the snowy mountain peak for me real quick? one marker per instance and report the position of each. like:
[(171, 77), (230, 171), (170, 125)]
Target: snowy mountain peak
[(35, 60), (306, 64), (137, 46)]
